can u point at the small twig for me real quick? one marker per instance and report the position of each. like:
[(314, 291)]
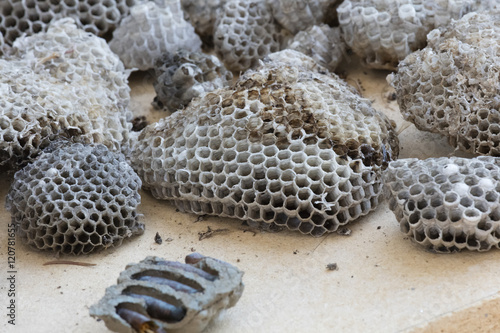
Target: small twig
[(68, 262), (209, 233), (50, 57), (403, 128), (249, 230), (200, 218), (324, 238)]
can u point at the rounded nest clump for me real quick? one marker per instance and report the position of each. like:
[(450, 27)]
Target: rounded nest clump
[(447, 204), (75, 199), (182, 76), (152, 29), (156, 295), (203, 14), (32, 16), (382, 33), (452, 86), (322, 43), (61, 83), (245, 33), (298, 15), (286, 145)]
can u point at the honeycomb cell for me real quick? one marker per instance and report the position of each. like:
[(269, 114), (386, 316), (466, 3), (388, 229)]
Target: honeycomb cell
[(463, 217), (287, 180), (68, 223), (460, 98), (157, 295)]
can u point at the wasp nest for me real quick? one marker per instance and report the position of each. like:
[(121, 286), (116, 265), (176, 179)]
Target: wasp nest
[(75, 199), (182, 76), (298, 15), (447, 204), (322, 43), (62, 83), (285, 145), (152, 29), (450, 87), (32, 16), (384, 32), (245, 33), (156, 295), (203, 14)]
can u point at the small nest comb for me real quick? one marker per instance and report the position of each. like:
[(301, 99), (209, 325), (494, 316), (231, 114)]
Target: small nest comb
[(75, 199), (452, 86), (447, 204)]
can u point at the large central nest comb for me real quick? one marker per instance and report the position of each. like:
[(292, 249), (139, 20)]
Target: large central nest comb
[(285, 145)]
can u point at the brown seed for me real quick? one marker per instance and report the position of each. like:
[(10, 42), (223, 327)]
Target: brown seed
[(172, 284), (162, 310)]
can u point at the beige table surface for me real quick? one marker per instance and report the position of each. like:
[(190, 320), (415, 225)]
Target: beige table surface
[(384, 282)]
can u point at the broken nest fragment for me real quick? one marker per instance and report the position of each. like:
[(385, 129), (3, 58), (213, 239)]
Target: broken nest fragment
[(184, 75), (452, 86), (285, 145), (447, 204), (156, 295)]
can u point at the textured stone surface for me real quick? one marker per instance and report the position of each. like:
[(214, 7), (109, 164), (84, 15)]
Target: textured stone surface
[(61, 83), (286, 145), (168, 296), (452, 86), (447, 204), (75, 199)]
